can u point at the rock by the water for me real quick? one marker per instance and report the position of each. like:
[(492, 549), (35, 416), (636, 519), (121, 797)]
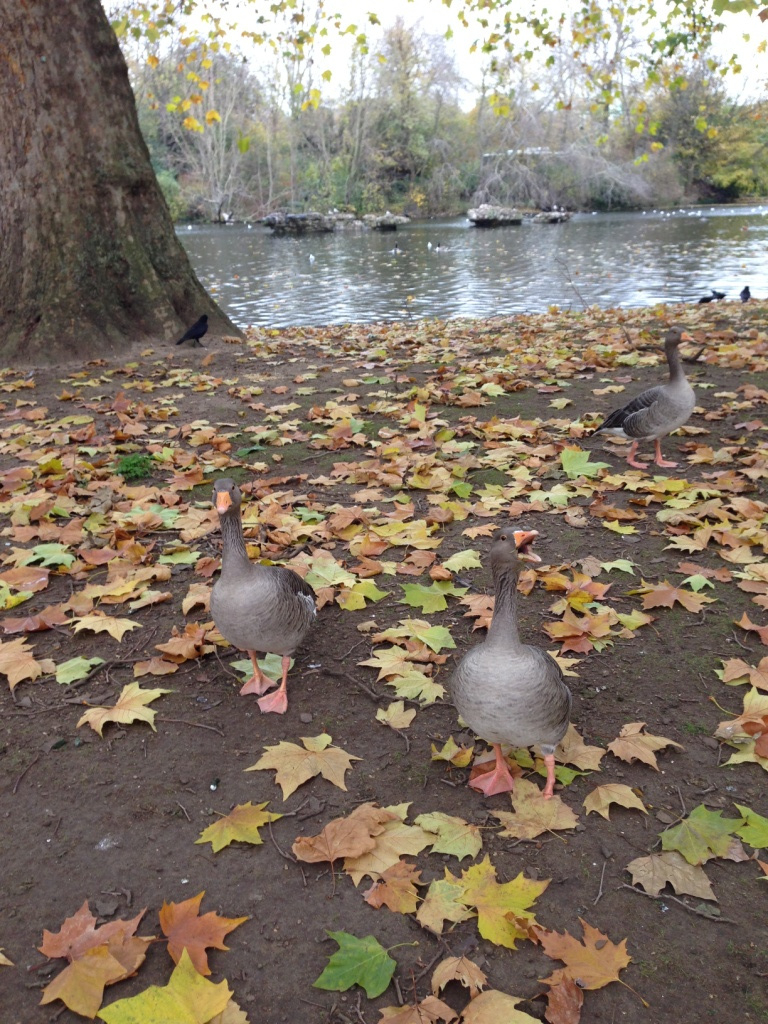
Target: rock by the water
[(488, 216), (384, 221), (299, 223)]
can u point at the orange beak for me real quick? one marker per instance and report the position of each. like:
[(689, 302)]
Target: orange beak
[(523, 541), (223, 502), (685, 336)]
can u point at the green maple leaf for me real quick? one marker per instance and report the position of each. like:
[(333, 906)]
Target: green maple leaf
[(414, 685), (49, 554), (702, 835), (362, 962), (354, 598), (76, 668), (469, 559), (755, 831), (179, 556), (435, 637), (575, 463), (427, 599), (623, 564)]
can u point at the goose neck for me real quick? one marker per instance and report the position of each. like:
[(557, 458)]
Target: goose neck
[(503, 629), (233, 541), (675, 362)]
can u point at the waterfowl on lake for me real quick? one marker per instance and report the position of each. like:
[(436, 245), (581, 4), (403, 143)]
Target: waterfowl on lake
[(506, 691), (658, 411), (745, 295), (262, 609)]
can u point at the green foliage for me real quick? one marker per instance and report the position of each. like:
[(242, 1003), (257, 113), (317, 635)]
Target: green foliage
[(135, 466), (362, 962), (171, 193)]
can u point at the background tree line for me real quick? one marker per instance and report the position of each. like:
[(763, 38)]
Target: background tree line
[(586, 130)]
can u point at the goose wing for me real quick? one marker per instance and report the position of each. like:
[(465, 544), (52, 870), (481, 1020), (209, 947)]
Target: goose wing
[(618, 418)]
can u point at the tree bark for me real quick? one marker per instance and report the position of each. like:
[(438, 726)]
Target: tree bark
[(89, 259)]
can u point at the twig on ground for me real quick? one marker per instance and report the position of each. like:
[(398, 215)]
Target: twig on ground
[(693, 910), (195, 725), (17, 783), (600, 893), (287, 856), (185, 811)]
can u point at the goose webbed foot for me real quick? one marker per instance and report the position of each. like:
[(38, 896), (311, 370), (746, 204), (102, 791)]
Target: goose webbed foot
[(258, 683), (661, 461), (631, 457), (498, 780), (278, 701)]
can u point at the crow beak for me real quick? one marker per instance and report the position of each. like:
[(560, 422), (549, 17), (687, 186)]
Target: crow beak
[(523, 541), (223, 502)]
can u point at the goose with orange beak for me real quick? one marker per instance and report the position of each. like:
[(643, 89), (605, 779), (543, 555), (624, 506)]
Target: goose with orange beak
[(262, 609), (658, 411), (508, 692)]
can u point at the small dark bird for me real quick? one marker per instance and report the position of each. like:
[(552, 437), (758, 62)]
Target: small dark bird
[(196, 331), (717, 295), (745, 295), (706, 298)]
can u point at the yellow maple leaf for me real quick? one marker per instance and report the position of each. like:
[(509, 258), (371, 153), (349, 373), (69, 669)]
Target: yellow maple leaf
[(634, 744), (295, 765), (17, 662), (534, 813), (130, 707), (602, 797), (241, 825), (97, 622), (395, 715)]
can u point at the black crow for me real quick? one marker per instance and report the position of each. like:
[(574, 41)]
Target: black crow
[(745, 295), (196, 331)]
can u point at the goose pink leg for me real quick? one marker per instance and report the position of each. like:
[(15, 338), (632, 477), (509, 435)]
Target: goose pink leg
[(549, 789), (631, 456), (278, 701), (660, 460), (258, 683), (497, 781)]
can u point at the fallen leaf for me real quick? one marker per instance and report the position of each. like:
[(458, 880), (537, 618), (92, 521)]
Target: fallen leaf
[(295, 765), (454, 836), (362, 962), (502, 908), (17, 662), (443, 902), (345, 837), (591, 963), (189, 932), (97, 622), (188, 998), (395, 715), (130, 707), (4, 961), (461, 969), (564, 1002), (573, 750), (395, 839), (633, 744), (654, 872), (602, 797), (241, 825), (453, 753), (534, 813), (426, 1011), (494, 1007), (754, 831), (396, 888), (704, 834)]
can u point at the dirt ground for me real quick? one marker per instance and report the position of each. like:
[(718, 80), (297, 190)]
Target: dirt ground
[(114, 820)]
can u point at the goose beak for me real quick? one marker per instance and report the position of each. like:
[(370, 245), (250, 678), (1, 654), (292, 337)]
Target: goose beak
[(685, 336), (523, 541), (223, 502)]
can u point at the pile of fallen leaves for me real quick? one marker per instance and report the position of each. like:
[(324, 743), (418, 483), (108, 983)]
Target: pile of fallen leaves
[(431, 436)]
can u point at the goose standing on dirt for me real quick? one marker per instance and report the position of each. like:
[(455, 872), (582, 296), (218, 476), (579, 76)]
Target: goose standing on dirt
[(507, 691), (265, 609), (658, 411)]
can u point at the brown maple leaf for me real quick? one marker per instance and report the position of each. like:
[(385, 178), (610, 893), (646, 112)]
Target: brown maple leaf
[(461, 969), (396, 889), (665, 595), (344, 837), (564, 1001), (591, 963), (97, 957), (634, 744), (186, 929)]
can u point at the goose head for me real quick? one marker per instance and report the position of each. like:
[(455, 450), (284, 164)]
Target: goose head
[(512, 547), (676, 335), (226, 495)]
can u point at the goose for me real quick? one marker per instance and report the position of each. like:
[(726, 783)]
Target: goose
[(258, 608), (658, 411), (507, 691)]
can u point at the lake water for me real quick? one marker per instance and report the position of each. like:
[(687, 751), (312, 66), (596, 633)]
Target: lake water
[(612, 259)]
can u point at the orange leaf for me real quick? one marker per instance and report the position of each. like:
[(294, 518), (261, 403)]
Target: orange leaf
[(185, 929), (396, 888), (593, 963)]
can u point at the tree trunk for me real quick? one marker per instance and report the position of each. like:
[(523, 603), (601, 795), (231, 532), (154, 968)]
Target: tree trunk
[(89, 260)]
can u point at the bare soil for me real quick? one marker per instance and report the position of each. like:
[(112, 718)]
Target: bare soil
[(114, 820)]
